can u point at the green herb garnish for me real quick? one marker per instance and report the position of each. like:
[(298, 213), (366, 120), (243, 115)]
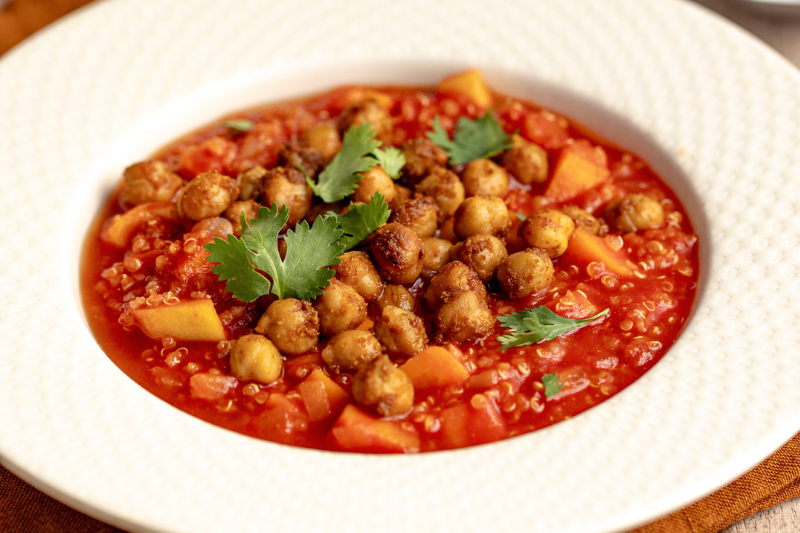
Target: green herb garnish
[(535, 324), (340, 178), (362, 219), (239, 125), (551, 385), (472, 139), (391, 159), (302, 274)]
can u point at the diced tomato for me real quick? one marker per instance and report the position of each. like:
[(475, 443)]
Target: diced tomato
[(357, 431), (216, 153), (260, 146), (283, 420), (454, 426), (322, 396), (435, 367), (485, 423), (119, 229), (580, 167), (575, 304), (546, 129), (211, 386)]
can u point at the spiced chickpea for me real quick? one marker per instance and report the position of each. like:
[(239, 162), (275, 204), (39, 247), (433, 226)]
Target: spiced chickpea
[(383, 388), (339, 308), (254, 357), (526, 161), (525, 273), (215, 226), (421, 156), (250, 182), (292, 325), (149, 181), (234, 214), (445, 188), (324, 137), (435, 254), (635, 212), (419, 214), (400, 332), (548, 229), (350, 350), (463, 317), (357, 271), (372, 181), (397, 252), (481, 214), (287, 186), (446, 230), (368, 111), (482, 253), (484, 177), (207, 195), (398, 296), (401, 194), (455, 276), (299, 153), (583, 220)]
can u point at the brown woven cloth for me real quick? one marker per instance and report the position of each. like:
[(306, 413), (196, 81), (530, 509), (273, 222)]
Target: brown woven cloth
[(24, 509)]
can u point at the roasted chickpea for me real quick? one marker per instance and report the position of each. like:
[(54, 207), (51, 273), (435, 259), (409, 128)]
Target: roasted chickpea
[(215, 226), (397, 252), (398, 296), (463, 317), (583, 220), (445, 188), (446, 230), (481, 214), (250, 182), (287, 186), (524, 273), (482, 253), (419, 214), (421, 156), (234, 214), (299, 153), (383, 388), (400, 332), (548, 229), (455, 276), (357, 271), (484, 177), (324, 137), (207, 195), (401, 194), (149, 181), (368, 111), (435, 254), (255, 357), (526, 161), (635, 212), (350, 350), (291, 324), (375, 180), (339, 308)]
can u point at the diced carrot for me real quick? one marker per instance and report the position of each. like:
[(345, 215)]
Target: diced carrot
[(322, 396), (467, 84), (585, 248), (435, 367), (119, 229), (191, 320), (357, 431), (580, 168)]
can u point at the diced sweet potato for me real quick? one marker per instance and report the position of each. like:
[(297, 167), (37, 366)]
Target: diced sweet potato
[(454, 426), (580, 167), (211, 386), (357, 431), (575, 304), (120, 228), (468, 84), (283, 420), (322, 396), (585, 248), (191, 320), (435, 367)]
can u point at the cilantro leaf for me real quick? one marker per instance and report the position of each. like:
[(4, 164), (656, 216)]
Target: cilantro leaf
[(472, 139), (341, 176), (362, 219), (551, 385), (302, 274), (391, 159), (535, 324), (520, 216), (239, 125)]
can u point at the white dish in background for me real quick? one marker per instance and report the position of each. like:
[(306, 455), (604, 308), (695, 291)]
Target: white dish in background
[(713, 110)]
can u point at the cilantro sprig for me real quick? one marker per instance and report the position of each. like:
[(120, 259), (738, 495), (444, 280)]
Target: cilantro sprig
[(239, 125), (472, 139), (391, 159), (551, 385), (362, 219), (302, 274), (341, 176), (535, 324)]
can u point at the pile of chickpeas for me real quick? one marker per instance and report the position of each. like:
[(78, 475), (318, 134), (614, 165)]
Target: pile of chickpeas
[(448, 226)]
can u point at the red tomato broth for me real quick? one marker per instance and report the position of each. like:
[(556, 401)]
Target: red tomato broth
[(503, 395)]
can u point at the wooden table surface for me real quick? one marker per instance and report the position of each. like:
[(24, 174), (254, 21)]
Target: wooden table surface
[(20, 18)]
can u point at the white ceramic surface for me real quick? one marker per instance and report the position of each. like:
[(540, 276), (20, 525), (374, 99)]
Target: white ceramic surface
[(714, 110)]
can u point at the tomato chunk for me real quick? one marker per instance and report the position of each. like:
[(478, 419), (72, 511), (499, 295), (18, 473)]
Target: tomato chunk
[(357, 431), (580, 168), (435, 367), (585, 248), (322, 396)]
